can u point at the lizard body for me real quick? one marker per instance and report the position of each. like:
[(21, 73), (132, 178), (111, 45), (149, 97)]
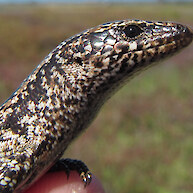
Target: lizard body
[(62, 95)]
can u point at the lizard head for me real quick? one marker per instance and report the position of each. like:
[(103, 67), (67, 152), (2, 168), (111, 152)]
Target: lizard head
[(132, 43), (104, 56)]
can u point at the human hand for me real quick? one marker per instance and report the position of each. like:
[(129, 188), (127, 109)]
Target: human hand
[(57, 182)]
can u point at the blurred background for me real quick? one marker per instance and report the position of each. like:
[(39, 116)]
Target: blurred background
[(142, 140)]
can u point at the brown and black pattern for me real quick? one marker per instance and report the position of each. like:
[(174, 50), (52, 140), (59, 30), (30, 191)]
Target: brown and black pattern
[(63, 94)]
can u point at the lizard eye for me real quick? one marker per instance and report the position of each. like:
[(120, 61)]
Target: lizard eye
[(132, 31)]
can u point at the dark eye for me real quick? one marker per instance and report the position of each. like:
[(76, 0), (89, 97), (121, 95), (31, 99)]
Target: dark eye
[(132, 31)]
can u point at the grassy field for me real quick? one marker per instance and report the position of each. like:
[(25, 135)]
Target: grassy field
[(142, 140)]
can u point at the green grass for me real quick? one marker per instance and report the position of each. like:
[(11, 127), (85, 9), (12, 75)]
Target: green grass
[(142, 140)]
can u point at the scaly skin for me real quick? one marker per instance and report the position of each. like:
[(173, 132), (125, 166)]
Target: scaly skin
[(63, 94)]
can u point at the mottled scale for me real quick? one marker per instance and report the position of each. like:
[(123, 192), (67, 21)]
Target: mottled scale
[(62, 95)]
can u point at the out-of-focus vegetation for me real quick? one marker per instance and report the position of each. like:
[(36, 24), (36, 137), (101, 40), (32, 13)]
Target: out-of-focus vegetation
[(142, 140)]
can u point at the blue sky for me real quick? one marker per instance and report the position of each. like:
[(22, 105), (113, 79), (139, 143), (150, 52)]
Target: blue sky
[(79, 1)]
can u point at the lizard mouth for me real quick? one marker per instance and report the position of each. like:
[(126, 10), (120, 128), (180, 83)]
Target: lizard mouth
[(184, 36), (181, 37), (171, 43)]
